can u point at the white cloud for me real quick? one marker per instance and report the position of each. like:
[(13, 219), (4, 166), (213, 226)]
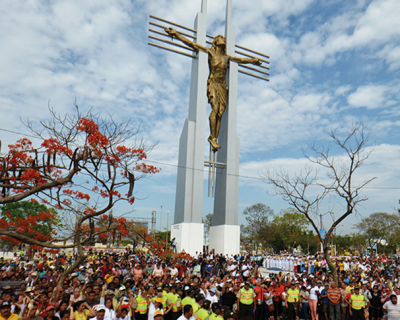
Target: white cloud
[(382, 164), (342, 90), (370, 96), (98, 52), (354, 29)]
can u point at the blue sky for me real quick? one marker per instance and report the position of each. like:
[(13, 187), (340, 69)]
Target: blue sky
[(333, 63)]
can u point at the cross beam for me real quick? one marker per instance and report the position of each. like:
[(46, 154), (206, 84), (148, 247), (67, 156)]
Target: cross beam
[(165, 44)]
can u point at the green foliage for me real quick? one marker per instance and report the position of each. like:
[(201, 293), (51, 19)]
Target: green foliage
[(258, 226), (24, 209), (208, 221), (287, 229), (380, 226), (162, 235), (290, 230)]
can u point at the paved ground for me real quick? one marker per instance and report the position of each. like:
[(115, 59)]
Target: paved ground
[(265, 272), (6, 256)]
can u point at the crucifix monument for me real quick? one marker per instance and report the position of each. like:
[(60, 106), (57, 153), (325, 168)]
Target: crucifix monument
[(214, 80)]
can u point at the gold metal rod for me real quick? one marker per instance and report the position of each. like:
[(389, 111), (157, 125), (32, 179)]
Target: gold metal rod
[(173, 43), (210, 36), (176, 51), (250, 56), (173, 23), (166, 35), (254, 69), (256, 52), (253, 75), (163, 27), (182, 33)]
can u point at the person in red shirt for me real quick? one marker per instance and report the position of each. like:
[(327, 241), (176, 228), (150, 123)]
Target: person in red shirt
[(259, 291), (105, 269), (280, 288)]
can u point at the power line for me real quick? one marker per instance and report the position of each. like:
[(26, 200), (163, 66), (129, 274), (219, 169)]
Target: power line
[(202, 170), (244, 176)]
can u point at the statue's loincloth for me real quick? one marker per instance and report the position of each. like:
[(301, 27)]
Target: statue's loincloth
[(217, 93)]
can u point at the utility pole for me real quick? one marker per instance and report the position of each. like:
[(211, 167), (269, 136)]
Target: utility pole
[(161, 220), (166, 235)]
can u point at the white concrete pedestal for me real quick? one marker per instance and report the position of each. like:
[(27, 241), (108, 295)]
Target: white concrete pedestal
[(189, 237), (225, 239)]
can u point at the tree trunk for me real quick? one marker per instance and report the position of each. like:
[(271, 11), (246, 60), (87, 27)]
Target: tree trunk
[(78, 262), (67, 272), (331, 265)]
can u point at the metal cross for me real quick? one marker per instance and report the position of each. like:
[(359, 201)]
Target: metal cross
[(157, 29), (212, 164)]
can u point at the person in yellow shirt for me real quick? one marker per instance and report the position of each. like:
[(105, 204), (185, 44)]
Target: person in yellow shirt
[(216, 311), (245, 301), (293, 300), (5, 312), (341, 266), (109, 277), (357, 303)]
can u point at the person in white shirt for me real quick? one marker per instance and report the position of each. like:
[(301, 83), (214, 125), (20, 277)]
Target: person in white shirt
[(187, 313), (313, 300), (173, 271), (245, 271), (392, 308), (100, 312), (211, 294)]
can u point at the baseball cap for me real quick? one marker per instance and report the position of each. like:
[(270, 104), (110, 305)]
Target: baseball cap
[(215, 306), (158, 313), (229, 315), (5, 304), (100, 307), (206, 304)]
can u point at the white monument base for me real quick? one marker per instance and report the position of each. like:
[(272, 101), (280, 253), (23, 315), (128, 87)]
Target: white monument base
[(189, 237), (225, 239)]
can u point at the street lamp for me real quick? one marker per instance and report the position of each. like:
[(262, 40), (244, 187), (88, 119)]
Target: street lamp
[(166, 235), (167, 220), (161, 220)]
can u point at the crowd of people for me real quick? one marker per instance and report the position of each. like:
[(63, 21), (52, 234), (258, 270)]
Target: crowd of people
[(137, 285)]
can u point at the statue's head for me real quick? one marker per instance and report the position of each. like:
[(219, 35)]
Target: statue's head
[(220, 43)]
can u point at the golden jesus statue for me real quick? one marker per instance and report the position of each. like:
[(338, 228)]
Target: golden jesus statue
[(217, 91)]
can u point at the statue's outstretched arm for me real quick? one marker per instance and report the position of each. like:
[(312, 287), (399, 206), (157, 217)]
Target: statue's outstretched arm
[(196, 47), (255, 61)]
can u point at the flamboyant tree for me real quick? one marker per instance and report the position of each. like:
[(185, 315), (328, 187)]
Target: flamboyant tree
[(32, 218), (82, 167)]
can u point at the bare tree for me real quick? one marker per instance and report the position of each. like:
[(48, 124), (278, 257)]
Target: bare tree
[(306, 191)]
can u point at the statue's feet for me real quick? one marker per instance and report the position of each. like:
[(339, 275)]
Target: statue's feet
[(214, 144)]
